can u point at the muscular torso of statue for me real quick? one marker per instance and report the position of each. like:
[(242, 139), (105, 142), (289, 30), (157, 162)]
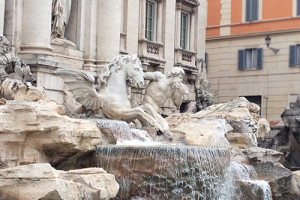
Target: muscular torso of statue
[(157, 93), (162, 87)]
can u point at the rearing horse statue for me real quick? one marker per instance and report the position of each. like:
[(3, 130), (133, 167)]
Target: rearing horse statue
[(110, 93)]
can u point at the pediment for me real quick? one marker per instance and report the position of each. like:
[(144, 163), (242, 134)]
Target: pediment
[(191, 3)]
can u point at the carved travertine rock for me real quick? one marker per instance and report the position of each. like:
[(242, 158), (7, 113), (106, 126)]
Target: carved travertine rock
[(41, 181), (38, 132), (240, 114), (13, 89)]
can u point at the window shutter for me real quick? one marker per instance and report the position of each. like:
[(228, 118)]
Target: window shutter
[(248, 10), (254, 10), (298, 7), (241, 59), (259, 58), (293, 56), (206, 60)]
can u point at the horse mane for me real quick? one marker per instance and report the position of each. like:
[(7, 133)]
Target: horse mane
[(114, 66)]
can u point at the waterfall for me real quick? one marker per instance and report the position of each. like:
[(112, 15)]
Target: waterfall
[(167, 172), (121, 133), (246, 183), (148, 169)]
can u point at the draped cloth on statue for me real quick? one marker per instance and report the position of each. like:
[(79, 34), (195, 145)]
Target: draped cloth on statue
[(61, 10)]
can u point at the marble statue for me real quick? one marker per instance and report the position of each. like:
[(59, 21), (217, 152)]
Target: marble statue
[(203, 96), (15, 76), (161, 88), (61, 10), (108, 93), (11, 65)]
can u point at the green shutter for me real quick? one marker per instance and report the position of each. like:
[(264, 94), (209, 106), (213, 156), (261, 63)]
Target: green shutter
[(248, 10), (259, 58), (254, 10), (293, 55), (298, 7), (241, 59)]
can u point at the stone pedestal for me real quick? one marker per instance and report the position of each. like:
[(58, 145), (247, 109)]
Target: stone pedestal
[(36, 26), (109, 29), (2, 9)]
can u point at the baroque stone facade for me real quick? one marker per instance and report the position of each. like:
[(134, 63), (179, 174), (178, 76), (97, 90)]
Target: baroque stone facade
[(97, 30)]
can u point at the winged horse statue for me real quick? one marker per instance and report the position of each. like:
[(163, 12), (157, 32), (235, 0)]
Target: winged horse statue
[(109, 94)]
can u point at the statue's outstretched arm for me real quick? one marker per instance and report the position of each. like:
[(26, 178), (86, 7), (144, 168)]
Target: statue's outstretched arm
[(154, 76)]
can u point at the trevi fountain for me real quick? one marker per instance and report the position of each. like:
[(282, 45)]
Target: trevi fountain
[(116, 150), (99, 144)]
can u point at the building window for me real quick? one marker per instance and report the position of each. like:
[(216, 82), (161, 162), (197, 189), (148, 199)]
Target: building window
[(184, 31), (251, 10), (250, 59), (294, 55), (149, 29), (298, 7), (257, 100)]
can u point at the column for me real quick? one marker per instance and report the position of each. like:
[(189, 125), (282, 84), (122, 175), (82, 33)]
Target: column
[(200, 27), (109, 29), (178, 22), (159, 22), (192, 34), (36, 29), (2, 9)]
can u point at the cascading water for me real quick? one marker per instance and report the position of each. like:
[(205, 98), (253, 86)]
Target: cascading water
[(124, 135), (145, 170), (167, 172), (246, 183)]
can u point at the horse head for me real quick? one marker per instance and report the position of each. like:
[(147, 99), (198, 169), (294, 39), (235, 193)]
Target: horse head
[(130, 66), (135, 74)]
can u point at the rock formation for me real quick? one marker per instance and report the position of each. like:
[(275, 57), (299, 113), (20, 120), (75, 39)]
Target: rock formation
[(43, 182), (238, 119), (287, 139), (266, 166), (39, 132)]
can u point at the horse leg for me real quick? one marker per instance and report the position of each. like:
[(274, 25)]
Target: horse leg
[(131, 114), (150, 110)]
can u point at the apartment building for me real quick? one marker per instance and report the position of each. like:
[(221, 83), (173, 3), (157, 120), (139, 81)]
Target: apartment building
[(253, 50)]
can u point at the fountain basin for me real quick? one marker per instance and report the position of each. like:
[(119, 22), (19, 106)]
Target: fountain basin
[(167, 172)]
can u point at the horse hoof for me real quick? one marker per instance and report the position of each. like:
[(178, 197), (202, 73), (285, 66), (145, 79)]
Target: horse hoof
[(2, 101), (159, 132)]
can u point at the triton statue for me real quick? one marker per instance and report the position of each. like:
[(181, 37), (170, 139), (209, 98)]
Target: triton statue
[(162, 87)]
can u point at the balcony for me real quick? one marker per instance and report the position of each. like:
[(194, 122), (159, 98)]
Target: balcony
[(151, 52), (186, 60)]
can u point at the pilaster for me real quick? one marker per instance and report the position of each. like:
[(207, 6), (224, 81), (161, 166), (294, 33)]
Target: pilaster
[(2, 9), (108, 30), (225, 17)]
